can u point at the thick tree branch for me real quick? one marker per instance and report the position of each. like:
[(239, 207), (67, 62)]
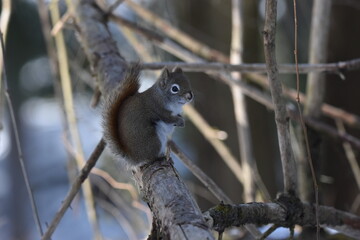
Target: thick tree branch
[(171, 202), (98, 44), (224, 216)]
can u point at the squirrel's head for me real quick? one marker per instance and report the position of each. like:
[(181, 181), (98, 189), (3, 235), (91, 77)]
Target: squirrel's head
[(176, 86)]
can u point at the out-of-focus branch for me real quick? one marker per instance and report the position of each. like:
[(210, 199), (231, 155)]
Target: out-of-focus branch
[(183, 38), (72, 120), (328, 110), (281, 116), (315, 94), (208, 182), (4, 24), (223, 216), (242, 121), (315, 88), (315, 97), (9, 102), (305, 68), (209, 133), (75, 187), (350, 154)]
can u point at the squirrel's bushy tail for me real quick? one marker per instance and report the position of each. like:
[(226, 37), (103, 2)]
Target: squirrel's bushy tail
[(112, 103)]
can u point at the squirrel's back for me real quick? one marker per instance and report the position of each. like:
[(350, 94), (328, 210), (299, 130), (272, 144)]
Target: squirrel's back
[(128, 87)]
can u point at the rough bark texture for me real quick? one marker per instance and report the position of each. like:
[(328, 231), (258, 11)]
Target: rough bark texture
[(171, 202), (282, 213), (98, 44)]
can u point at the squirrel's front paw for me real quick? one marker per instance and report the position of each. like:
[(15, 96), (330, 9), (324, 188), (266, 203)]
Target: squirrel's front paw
[(180, 121)]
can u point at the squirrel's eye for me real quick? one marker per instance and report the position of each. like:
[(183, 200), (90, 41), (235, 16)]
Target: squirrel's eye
[(175, 88)]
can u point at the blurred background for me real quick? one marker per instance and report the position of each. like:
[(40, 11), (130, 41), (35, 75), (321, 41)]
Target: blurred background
[(121, 214)]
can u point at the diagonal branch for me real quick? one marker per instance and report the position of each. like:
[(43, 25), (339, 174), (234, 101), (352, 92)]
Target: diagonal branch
[(75, 187)]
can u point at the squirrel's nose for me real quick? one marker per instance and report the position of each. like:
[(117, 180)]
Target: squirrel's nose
[(189, 96)]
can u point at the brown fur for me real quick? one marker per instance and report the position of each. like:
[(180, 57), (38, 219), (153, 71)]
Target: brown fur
[(129, 87)]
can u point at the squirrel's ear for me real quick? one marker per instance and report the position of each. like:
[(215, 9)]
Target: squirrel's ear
[(165, 73), (164, 77), (177, 70)]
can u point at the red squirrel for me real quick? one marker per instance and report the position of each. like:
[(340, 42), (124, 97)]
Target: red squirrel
[(137, 125)]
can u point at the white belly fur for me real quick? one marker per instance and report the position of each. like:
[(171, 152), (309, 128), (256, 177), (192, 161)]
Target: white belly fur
[(164, 130), (175, 108)]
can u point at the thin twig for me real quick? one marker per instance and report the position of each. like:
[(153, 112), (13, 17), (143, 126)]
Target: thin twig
[(115, 5), (58, 26), (208, 132), (355, 205), (123, 186), (18, 144), (115, 184), (124, 224), (328, 110), (269, 231), (308, 152), (350, 154), (208, 182), (75, 187), (281, 119), (287, 68), (183, 38)]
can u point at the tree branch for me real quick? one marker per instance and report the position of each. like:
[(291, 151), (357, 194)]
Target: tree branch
[(224, 216), (171, 202), (75, 187), (336, 67), (281, 119), (248, 161)]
